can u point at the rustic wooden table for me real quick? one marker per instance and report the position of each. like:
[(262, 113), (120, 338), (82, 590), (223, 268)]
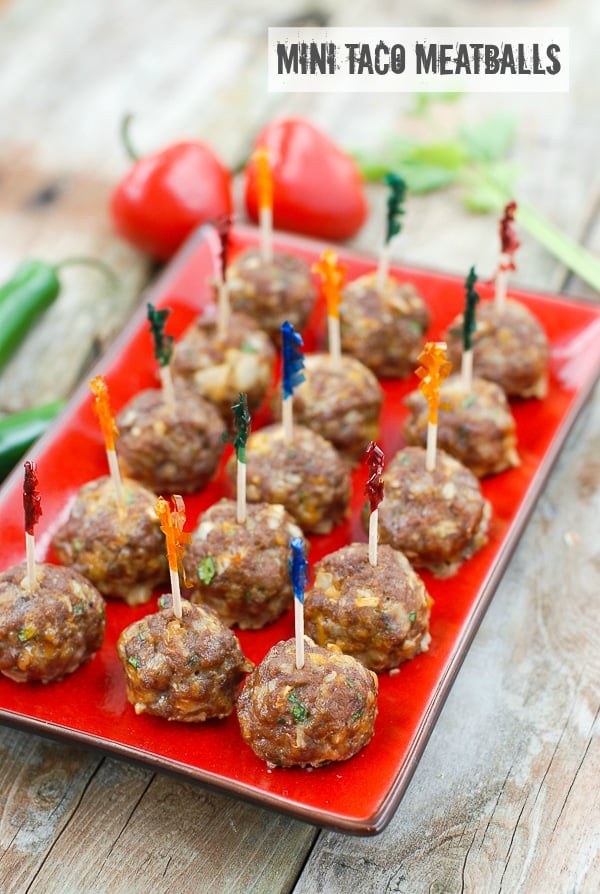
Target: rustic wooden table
[(506, 795)]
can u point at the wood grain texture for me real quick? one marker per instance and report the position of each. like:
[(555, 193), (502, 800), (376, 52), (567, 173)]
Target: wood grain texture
[(505, 798)]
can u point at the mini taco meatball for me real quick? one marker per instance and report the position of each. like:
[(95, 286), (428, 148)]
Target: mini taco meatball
[(241, 570), (309, 716), (272, 291), (378, 614), (170, 448), (308, 477), (220, 368), (120, 550), (509, 348), (51, 630), (187, 669), (437, 519), (339, 400), (475, 425), (383, 328)]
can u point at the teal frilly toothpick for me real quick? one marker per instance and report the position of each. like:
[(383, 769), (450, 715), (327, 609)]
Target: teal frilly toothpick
[(395, 212), (241, 423), (469, 327), (163, 349)]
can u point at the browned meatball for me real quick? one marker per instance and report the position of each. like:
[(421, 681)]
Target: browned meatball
[(51, 630), (341, 401), (188, 669), (510, 349), (170, 449), (308, 476), (475, 426), (437, 519), (221, 368), (272, 292), (120, 549), (378, 614), (383, 328), (241, 570), (309, 716)]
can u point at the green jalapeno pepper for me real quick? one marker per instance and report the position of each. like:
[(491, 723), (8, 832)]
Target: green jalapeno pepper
[(32, 289), (29, 292), (19, 431)]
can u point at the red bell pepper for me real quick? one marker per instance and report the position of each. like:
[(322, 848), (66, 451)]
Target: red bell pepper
[(169, 193), (317, 188)]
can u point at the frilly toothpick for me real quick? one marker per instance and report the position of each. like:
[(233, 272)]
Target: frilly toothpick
[(469, 327), (109, 431), (292, 364), (32, 507), (374, 491), (242, 420), (509, 243), (433, 370), (171, 524), (299, 576), (223, 304), (395, 210), (264, 188), (332, 276), (163, 350)]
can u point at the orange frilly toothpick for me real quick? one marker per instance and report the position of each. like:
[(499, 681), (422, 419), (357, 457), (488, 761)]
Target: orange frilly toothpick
[(332, 276), (104, 412), (434, 368), (109, 431), (264, 189), (171, 524)]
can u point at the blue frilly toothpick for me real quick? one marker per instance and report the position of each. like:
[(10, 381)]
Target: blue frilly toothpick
[(298, 568)]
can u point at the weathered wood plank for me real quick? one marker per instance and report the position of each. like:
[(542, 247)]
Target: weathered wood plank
[(135, 831), (41, 784), (504, 798)]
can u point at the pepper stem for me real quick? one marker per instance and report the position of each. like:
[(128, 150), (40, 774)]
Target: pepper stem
[(99, 265), (126, 137)]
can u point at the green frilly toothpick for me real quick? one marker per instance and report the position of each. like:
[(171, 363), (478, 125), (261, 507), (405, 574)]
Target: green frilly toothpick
[(163, 344), (163, 349), (395, 204), (469, 327), (395, 211), (241, 421)]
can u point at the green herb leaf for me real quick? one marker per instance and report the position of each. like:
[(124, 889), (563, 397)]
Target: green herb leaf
[(412, 617), (573, 255), (490, 139), (298, 709), (451, 154), (423, 178), (207, 570), (423, 101), (133, 661)]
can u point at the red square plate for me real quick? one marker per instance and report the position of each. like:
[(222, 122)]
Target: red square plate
[(360, 795)]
